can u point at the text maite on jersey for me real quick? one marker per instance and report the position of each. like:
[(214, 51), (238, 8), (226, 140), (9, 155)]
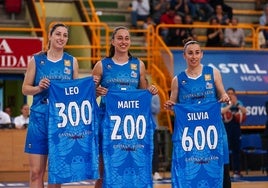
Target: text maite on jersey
[(128, 104)]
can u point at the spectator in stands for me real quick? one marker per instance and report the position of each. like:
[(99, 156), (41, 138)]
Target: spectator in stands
[(190, 31), (176, 35), (8, 110), (232, 127), (4, 119), (214, 35), (226, 8), (149, 22), (180, 6), (259, 4), (263, 37), (200, 9), (167, 18), (140, 11), (234, 37), (221, 16), (159, 8), (263, 20), (22, 121)]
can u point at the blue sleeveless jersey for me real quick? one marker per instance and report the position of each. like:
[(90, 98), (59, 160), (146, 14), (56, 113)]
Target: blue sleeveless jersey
[(128, 130), (198, 154), (200, 90), (60, 70), (72, 131), (118, 77)]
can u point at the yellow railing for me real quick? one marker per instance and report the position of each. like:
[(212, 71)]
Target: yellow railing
[(30, 30), (161, 69), (258, 30), (95, 17), (96, 33), (42, 17), (21, 29), (158, 57)]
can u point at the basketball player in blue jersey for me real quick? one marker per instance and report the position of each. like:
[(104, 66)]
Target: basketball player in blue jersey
[(191, 87), (54, 64), (119, 71)]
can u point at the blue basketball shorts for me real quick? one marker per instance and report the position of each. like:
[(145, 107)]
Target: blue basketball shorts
[(37, 134)]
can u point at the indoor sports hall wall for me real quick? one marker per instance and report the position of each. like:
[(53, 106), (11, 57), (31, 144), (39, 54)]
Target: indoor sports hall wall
[(245, 71)]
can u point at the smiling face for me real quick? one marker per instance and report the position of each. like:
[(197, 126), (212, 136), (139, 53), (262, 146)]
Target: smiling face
[(58, 37), (193, 55), (121, 40)]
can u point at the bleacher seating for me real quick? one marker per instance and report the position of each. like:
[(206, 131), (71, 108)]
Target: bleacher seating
[(245, 10), (13, 6)]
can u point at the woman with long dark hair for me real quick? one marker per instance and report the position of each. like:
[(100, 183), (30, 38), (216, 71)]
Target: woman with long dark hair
[(53, 64), (119, 71)]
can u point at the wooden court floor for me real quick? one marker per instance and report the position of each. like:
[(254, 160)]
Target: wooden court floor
[(234, 184)]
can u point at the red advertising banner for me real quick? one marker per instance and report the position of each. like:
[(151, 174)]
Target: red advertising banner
[(16, 52)]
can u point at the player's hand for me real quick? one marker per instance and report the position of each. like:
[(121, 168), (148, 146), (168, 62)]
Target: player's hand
[(96, 80), (225, 98), (101, 91), (44, 83), (153, 89), (168, 105)]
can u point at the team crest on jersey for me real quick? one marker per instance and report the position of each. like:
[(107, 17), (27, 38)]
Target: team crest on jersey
[(67, 63), (133, 66), (183, 82), (133, 74), (207, 77), (209, 85), (67, 70)]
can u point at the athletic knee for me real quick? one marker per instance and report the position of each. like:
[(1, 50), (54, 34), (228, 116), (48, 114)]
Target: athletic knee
[(37, 174)]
